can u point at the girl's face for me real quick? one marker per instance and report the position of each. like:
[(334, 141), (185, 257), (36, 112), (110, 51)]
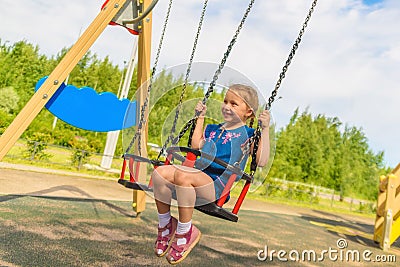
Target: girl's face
[(234, 109)]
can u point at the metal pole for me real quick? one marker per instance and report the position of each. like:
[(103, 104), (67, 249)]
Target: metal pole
[(112, 136)]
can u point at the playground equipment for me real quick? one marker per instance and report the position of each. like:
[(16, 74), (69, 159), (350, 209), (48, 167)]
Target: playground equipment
[(130, 14), (112, 12), (91, 111), (387, 222), (133, 161)]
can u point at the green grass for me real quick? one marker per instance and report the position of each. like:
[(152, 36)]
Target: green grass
[(323, 204), (59, 159)]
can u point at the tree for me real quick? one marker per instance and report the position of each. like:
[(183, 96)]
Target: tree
[(23, 67), (314, 150)]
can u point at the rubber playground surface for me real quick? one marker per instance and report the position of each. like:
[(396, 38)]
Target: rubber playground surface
[(62, 220)]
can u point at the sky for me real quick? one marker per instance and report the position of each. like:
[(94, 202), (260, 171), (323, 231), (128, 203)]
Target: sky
[(345, 66)]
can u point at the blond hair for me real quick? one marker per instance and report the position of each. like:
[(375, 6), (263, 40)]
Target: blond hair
[(248, 94)]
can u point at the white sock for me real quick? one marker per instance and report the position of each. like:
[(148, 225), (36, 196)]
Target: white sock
[(163, 220), (183, 228)]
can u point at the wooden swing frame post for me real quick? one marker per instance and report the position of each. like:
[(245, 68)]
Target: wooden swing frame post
[(58, 76), (143, 75), (387, 221)]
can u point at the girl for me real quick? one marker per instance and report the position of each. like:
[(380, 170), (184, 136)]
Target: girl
[(226, 141)]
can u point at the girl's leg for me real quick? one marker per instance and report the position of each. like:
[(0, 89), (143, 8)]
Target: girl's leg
[(163, 185), (189, 184), (162, 180)]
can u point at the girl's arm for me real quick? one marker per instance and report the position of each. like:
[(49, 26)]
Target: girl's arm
[(197, 137), (262, 156)]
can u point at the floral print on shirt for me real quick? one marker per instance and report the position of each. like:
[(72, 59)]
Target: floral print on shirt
[(228, 137), (212, 135)]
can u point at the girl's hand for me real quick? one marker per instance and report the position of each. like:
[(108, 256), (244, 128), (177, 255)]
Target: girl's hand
[(201, 109), (264, 119)]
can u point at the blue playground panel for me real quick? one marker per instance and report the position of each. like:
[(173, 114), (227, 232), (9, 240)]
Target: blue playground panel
[(86, 109)]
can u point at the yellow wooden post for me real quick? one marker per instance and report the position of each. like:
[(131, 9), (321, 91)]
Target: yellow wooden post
[(144, 53), (390, 213), (380, 208), (395, 233), (387, 222), (59, 74)]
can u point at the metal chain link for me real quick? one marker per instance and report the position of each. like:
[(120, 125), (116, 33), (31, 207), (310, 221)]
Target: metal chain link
[(257, 134), (145, 104), (188, 70), (192, 122)]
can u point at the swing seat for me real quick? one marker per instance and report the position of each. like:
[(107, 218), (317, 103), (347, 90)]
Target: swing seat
[(214, 209), (134, 164)]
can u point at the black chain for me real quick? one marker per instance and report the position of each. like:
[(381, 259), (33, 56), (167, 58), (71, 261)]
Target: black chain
[(145, 104), (192, 122), (257, 134), (188, 70)]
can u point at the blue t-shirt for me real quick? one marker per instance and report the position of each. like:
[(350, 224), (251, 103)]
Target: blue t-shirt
[(227, 145)]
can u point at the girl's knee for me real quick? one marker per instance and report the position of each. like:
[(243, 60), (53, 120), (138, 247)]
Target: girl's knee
[(181, 178), (164, 172)]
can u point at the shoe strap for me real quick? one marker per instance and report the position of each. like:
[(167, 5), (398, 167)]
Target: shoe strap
[(176, 250), (167, 227), (186, 235)]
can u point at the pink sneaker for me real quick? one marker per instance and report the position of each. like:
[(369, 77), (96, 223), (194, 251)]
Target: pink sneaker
[(178, 253), (163, 244)]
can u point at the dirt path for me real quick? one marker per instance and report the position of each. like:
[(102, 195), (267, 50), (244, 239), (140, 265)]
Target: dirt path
[(28, 182)]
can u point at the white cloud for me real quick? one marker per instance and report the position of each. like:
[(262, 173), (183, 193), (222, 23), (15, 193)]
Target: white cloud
[(345, 66)]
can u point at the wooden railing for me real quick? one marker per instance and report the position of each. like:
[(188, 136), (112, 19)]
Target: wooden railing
[(387, 222)]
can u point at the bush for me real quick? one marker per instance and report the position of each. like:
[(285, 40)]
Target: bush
[(96, 145), (272, 188), (5, 120), (81, 152), (63, 137), (37, 144), (366, 208), (279, 189)]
